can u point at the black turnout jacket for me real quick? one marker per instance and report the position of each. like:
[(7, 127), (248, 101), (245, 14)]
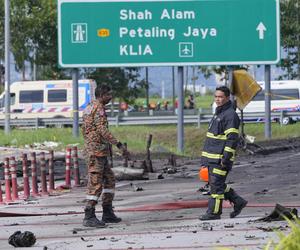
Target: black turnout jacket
[(222, 137)]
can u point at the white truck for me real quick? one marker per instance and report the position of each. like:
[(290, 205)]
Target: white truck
[(46, 99)]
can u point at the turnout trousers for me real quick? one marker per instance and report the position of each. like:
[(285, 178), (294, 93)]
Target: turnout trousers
[(101, 180), (218, 188)]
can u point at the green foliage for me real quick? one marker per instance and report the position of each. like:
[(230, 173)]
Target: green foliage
[(290, 38), (33, 27), (290, 241), (124, 81)]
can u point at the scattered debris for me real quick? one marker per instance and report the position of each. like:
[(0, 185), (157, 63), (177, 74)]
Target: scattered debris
[(102, 238), (253, 237), (281, 213), (206, 226), (122, 173), (13, 224), (154, 176), (264, 191), (272, 229), (44, 145), (263, 166), (250, 237), (148, 160), (160, 176), (229, 226), (83, 239), (136, 188), (130, 242), (170, 170), (19, 239), (172, 161)]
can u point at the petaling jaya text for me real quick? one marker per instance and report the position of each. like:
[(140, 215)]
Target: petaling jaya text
[(156, 32)]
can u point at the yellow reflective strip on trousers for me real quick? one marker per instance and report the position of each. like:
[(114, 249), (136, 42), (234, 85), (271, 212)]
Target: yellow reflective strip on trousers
[(227, 189), (219, 171), (231, 130), (217, 196), (218, 137), (217, 206), (212, 156), (228, 149)]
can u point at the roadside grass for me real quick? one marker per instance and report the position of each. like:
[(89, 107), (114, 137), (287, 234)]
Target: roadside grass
[(20, 138), (278, 132), (164, 136)]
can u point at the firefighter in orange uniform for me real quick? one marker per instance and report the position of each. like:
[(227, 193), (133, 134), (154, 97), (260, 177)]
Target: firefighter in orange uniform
[(97, 142)]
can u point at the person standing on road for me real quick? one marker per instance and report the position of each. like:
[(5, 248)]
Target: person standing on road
[(97, 142), (218, 155)]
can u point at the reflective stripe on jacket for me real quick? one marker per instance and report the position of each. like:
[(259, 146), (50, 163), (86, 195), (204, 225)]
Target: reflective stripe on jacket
[(222, 136)]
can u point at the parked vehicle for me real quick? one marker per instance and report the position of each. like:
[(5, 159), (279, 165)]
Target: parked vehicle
[(285, 97), (46, 99)]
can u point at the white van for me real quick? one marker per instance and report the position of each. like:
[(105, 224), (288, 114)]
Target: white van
[(285, 96), (46, 99)]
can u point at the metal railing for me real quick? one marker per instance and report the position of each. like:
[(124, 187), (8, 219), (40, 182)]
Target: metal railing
[(132, 119)]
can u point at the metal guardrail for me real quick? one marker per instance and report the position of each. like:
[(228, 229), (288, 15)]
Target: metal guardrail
[(144, 120)]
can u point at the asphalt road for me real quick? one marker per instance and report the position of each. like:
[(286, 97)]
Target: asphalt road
[(164, 214)]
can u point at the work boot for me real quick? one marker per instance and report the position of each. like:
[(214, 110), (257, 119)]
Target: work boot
[(210, 217), (90, 219), (214, 210), (239, 204), (108, 215)]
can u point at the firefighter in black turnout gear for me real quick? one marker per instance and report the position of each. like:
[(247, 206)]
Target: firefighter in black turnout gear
[(218, 155)]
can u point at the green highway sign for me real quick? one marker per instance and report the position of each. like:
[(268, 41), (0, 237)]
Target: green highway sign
[(118, 33)]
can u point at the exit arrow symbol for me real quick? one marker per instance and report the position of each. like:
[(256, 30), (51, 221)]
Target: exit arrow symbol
[(261, 30)]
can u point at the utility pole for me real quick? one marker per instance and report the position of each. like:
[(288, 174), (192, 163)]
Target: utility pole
[(180, 119), (75, 103), (147, 91), (268, 133), (173, 88), (7, 68)]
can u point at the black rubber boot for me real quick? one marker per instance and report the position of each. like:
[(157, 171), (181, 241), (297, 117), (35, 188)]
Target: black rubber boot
[(238, 206), (210, 217), (214, 210), (108, 215), (90, 219), (238, 202)]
